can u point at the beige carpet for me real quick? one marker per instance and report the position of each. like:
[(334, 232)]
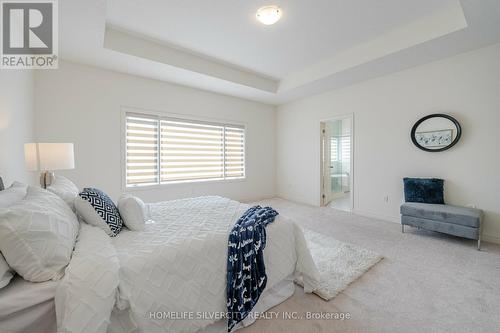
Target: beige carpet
[(427, 282)]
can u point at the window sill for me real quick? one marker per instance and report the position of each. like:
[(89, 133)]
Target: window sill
[(180, 183)]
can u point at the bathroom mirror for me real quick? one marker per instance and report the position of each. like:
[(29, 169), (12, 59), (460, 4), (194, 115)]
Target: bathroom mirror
[(436, 132)]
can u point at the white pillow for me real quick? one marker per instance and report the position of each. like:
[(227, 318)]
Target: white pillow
[(37, 235), (64, 189), (133, 212), (5, 272), (15, 193), (97, 208)]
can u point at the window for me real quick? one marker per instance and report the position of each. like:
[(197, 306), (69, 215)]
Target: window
[(162, 150), (334, 156), (340, 148)]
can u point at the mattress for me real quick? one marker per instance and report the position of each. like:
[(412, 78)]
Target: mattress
[(28, 306)]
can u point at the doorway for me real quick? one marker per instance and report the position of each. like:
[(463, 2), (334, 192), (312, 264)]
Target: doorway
[(337, 163)]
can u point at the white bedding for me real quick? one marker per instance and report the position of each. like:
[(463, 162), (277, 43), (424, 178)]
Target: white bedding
[(87, 292), (177, 264), (28, 306)]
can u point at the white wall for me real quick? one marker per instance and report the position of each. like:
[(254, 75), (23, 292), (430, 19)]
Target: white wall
[(16, 124), (466, 86), (82, 104)]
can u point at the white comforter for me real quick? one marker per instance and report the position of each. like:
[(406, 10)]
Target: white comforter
[(177, 265)]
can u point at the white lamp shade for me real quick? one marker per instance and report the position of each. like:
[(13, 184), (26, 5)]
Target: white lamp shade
[(49, 156)]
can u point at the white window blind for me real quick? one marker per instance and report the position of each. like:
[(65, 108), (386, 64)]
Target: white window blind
[(142, 150), (346, 152), (188, 150), (191, 151), (234, 139), (340, 148), (334, 149)]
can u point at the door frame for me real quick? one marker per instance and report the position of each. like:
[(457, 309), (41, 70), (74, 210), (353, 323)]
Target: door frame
[(325, 153), (322, 195)]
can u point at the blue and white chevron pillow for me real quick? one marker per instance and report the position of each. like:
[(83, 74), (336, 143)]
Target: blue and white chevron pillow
[(97, 209)]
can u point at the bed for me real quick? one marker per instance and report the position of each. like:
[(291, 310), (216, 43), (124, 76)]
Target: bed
[(27, 306), (171, 277)]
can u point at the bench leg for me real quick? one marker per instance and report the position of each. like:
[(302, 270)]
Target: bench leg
[(480, 235), (403, 228)]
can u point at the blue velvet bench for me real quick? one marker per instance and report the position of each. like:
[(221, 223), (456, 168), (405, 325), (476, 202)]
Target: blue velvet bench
[(453, 220)]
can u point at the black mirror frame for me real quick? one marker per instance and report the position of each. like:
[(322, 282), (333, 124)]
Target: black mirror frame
[(436, 115)]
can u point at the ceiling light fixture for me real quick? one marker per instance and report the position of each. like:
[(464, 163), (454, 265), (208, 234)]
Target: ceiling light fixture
[(268, 14)]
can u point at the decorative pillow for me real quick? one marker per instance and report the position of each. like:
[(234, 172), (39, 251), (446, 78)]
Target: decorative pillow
[(64, 189), (424, 190), (96, 208), (133, 212), (37, 235), (15, 193), (5, 272)]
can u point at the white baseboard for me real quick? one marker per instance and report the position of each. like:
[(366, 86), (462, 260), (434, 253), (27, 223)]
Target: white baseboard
[(387, 218), (487, 238), (491, 239), (263, 198)]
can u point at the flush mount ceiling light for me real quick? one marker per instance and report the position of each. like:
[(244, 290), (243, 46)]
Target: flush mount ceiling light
[(268, 14)]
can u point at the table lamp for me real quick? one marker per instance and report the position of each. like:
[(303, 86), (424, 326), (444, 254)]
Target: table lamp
[(47, 158)]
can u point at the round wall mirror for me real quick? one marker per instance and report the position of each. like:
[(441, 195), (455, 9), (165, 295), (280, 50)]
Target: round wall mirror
[(436, 132)]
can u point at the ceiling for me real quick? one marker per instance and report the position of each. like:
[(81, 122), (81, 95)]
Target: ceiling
[(308, 32), (318, 45)]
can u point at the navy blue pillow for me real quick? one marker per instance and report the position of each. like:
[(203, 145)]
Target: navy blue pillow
[(424, 190), (104, 207)]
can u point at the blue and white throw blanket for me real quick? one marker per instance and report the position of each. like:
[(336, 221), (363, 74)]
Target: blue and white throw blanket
[(246, 273)]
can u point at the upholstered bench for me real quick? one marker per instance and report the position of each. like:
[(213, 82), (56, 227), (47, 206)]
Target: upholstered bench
[(453, 220)]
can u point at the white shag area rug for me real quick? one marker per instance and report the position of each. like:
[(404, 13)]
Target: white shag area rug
[(338, 263)]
